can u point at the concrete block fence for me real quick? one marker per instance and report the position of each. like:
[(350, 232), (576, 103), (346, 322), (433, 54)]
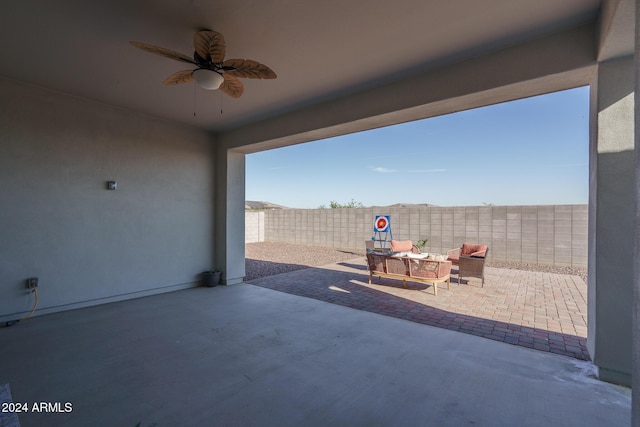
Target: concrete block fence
[(553, 235)]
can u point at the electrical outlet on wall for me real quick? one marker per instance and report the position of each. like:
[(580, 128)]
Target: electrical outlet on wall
[(32, 282)]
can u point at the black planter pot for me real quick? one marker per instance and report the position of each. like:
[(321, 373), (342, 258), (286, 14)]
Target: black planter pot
[(211, 279)]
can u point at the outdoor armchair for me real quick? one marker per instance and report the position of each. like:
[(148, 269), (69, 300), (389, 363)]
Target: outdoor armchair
[(470, 259), (470, 249)]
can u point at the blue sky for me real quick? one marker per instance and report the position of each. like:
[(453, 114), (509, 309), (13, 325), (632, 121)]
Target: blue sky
[(532, 151)]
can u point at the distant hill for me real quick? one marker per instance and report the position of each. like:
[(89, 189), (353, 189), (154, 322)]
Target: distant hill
[(260, 205), (250, 204), (406, 205)]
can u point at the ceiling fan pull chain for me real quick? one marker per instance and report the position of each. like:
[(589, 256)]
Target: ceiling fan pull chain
[(221, 102), (194, 99)]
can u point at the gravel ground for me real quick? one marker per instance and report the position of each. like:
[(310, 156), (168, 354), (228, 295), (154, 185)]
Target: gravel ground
[(574, 271), (269, 258)]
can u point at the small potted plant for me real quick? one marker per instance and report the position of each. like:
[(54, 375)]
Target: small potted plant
[(212, 277), (420, 244)]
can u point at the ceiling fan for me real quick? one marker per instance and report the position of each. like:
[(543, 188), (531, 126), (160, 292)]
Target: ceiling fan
[(213, 72)]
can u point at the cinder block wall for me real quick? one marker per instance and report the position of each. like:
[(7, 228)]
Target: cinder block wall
[(553, 235)]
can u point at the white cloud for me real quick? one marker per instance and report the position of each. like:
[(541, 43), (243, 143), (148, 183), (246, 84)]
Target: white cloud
[(382, 170)]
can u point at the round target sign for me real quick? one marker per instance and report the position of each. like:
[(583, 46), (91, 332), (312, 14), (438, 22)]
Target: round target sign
[(381, 223)]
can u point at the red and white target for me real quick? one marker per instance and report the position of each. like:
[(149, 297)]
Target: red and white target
[(381, 224)]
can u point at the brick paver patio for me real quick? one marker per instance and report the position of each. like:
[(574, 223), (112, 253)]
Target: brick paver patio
[(544, 311)]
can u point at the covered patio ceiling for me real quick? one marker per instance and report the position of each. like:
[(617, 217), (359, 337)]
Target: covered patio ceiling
[(320, 50)]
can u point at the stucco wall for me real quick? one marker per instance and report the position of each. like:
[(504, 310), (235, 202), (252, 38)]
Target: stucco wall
[(553, 235), (58, 221), (254, 226), (613, 199)]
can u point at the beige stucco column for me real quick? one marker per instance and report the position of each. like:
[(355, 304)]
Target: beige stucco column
[(612, 201), (229, 215)]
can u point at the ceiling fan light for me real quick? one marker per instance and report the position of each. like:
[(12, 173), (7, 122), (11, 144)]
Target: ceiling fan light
[(208, 79)]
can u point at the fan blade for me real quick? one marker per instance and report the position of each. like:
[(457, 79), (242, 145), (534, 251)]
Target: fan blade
[(231, 86), (210, 43), (248, 68), (184, 76), (167, 53)]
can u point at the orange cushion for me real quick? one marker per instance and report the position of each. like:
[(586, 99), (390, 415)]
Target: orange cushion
[(469, 248), (401, 246)]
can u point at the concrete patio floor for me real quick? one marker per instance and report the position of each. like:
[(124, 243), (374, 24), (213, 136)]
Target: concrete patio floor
[(248, 356), (544, 311)]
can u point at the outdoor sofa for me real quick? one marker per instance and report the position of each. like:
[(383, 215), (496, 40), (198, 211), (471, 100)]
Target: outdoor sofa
[(403, 262)]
